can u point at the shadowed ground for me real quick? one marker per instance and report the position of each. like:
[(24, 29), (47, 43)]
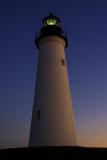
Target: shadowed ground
[(59, 153)]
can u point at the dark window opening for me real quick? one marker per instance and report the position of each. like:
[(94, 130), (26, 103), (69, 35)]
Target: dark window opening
[(63, 62), (38, 114)]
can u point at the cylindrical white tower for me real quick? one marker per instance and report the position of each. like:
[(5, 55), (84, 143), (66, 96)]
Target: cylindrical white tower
[(52, 118)]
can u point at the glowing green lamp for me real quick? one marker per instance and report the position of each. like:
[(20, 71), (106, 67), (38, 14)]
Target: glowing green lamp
[(51, 21)]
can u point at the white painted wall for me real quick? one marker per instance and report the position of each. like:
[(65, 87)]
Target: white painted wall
[(52, 97)]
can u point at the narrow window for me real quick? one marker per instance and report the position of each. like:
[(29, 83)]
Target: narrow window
[(63, 62), (38, 114)]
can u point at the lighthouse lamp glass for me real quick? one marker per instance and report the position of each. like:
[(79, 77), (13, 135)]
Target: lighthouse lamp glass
[(51, 21)]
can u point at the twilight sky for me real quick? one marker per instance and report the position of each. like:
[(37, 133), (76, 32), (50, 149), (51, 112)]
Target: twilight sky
[(86, 24)]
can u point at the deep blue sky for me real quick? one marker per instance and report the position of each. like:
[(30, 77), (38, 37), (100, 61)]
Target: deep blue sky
[(86, 24)]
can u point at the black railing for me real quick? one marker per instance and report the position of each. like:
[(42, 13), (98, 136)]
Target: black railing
[(51, 31)]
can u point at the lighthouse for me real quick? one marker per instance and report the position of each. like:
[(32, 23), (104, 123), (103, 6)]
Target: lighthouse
[(52, 121)]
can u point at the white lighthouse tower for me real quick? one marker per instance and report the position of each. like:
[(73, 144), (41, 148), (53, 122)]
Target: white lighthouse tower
[(52, 117)]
